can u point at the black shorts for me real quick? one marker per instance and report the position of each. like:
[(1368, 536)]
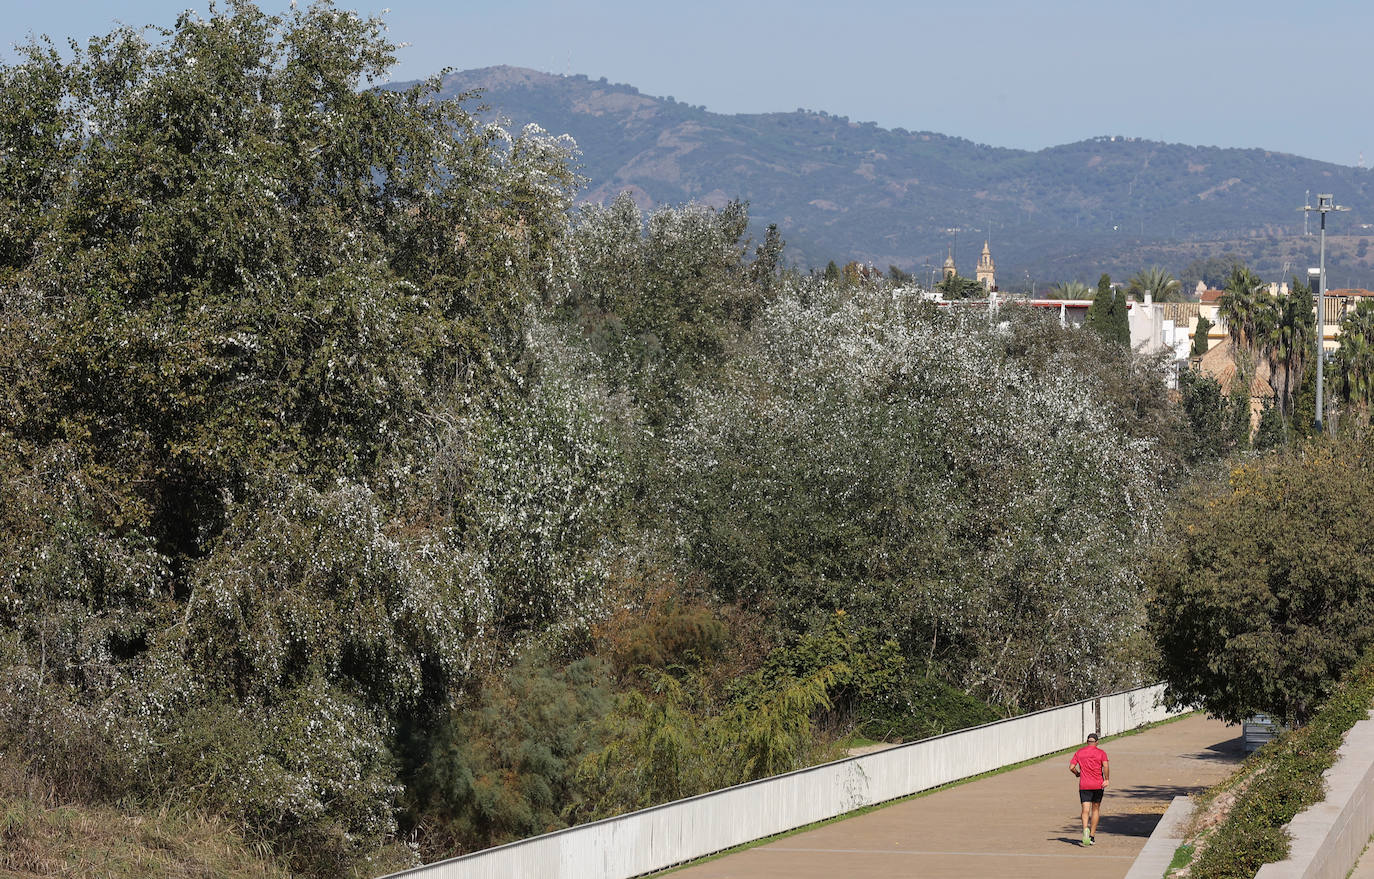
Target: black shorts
[(1090, 796)]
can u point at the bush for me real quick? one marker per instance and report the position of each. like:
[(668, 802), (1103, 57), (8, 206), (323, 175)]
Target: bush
[(1280, 781), (311, 773), (501, 766), (876, 690), (1264, 591)]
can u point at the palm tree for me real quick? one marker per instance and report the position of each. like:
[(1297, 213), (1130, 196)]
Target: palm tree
[(1284, 331), (1162, 286), (1242, 306), (1355, 359), (1071, 290)]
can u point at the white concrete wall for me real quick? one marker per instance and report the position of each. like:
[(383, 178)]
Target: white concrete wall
[(652, 839), (1329, 836), (1154, 859)]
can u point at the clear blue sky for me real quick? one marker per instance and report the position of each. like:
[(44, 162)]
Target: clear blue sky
[(1016, 74)]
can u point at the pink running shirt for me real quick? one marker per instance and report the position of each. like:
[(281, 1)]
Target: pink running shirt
[(1090, 759)]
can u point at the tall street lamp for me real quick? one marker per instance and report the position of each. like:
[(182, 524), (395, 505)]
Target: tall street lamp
[(1325, 204)]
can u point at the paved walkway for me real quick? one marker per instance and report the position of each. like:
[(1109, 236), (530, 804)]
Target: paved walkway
[(1022, 823)]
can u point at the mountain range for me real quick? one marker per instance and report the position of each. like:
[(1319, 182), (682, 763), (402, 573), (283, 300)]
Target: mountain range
[(844, 190)]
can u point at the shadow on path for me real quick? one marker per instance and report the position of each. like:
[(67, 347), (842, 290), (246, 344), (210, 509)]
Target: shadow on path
[(1140, 824), (1130, 824), (1230, 750), (1162, 792)]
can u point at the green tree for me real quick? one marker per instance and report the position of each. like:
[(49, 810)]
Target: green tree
[(1286, 331), (1201, 342), (766, 265), (1272, 428), (661, 300), (1246, 617), (244, 269), (1242, 307), (1354, 362), (1162, 286), (1219, 424), (1071, 290), (959, 287), (1108, 315)]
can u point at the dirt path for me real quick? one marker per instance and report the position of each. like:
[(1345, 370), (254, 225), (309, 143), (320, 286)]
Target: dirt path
[(1022, 823)]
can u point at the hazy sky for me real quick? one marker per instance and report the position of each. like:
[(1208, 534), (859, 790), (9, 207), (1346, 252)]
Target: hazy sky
[(1278, 75)]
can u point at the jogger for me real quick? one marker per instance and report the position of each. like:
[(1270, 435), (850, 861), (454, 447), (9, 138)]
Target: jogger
[(1090, 764)]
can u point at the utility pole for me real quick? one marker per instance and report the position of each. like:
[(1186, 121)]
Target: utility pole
[(1325, 204)]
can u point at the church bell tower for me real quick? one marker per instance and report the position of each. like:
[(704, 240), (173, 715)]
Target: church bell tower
[(987, 272)]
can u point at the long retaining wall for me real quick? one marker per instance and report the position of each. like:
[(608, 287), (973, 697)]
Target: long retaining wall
[(657, 838), (1329, 836)]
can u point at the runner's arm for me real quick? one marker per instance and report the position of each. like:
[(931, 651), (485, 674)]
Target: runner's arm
[(1106, 772)]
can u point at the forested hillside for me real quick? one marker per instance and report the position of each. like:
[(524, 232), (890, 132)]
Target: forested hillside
[(841, 189), (364, 501)]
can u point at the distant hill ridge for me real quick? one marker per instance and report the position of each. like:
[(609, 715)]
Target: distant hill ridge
[(847, 190)]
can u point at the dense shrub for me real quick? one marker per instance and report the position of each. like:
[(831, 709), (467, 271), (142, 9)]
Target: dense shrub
[(502, 764), (312, 772), (1280, 781), (877, 690), (1264, 594)]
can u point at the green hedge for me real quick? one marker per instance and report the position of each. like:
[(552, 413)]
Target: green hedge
[(1283, 778)]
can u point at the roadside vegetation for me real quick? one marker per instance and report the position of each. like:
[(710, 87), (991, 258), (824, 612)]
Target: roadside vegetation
[(1240, 821), (364, 502), (44, 835)]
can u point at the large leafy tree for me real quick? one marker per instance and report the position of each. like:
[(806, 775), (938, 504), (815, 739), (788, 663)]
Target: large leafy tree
[(241, 289), (243, 257), (959, 287), (943, 462), (662, 296), (1264, 593)]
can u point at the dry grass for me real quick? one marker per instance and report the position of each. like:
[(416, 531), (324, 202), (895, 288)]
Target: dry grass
[(40, 836)]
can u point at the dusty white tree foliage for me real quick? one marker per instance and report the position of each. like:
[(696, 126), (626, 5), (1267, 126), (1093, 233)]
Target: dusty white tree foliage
[(897, 463)]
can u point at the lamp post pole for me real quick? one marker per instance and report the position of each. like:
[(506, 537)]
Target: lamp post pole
[(1325, 204)]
